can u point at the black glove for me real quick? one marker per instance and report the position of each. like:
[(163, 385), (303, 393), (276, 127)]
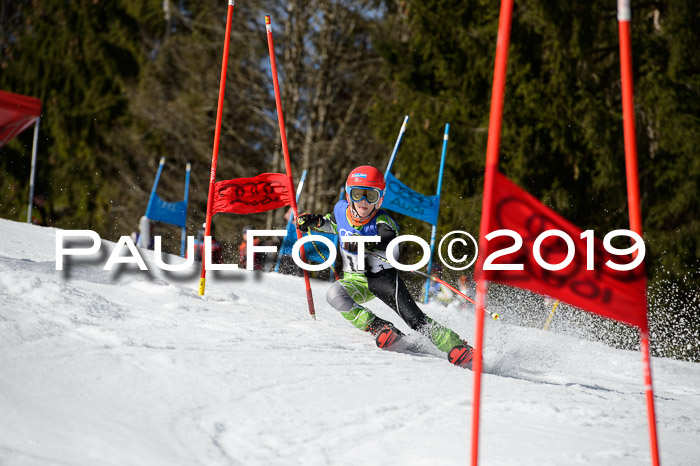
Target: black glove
[(307, 221)]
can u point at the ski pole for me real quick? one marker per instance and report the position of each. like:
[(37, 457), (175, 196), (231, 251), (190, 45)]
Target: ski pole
[(441, 281), (551, 315)]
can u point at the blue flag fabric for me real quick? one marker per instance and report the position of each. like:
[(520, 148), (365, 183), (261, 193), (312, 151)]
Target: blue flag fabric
[(174, 213), (311, 254), (402, 199)]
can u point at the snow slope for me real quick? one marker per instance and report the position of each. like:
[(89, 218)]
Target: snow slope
[(129, 367)]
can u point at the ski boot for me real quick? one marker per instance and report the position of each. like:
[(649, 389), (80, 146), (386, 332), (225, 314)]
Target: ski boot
[(384, 332), (388, 336), (378, 324), (461, 355)]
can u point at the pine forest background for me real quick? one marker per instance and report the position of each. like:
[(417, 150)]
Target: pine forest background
[(124, 82)]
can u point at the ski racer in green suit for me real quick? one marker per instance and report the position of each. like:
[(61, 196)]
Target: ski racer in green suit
[(360, 214)]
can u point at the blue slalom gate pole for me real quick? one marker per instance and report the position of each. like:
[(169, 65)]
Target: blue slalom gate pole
[(155, 186), (187, 191), (398, 141), (301, 185), (434, 229), (172, 213)]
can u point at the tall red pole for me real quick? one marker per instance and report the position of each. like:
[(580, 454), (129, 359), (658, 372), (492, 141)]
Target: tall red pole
[(492, 150), (285, 151), (217, 134), (635, 212)]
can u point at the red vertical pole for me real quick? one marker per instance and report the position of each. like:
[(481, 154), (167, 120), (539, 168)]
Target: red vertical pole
[(635, 212), (285, 151), (649, 393), (492, 150), (217, 134), (482, 288)]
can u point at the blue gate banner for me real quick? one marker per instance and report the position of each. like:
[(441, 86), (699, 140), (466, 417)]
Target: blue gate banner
[(402, 199), (311, 254), (174, 213)]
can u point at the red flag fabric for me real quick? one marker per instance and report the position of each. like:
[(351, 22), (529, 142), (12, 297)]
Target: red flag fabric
[(250, 195), (17, 113), (619, 295)]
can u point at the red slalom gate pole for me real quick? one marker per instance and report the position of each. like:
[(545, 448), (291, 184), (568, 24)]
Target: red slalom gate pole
[(285, 151), (492, 150), (217, 135), (482, 288), (624, 15)]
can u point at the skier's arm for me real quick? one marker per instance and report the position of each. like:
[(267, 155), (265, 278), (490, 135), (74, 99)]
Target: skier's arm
[(317, 223), (329, 224), (387, 230)]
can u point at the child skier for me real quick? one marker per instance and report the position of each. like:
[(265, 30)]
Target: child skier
[(360, 214)]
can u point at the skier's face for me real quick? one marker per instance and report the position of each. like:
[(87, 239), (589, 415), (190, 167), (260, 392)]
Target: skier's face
[(364, 208)]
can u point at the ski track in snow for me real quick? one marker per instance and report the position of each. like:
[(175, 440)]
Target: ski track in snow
[(128, 367)]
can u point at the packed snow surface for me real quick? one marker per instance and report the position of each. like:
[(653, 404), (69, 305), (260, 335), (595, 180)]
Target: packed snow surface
[(132, 367)]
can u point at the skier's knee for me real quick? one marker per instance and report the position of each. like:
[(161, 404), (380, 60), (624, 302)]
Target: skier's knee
[(338, 297)]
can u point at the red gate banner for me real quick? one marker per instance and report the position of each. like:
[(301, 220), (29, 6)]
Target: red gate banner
[(619, 295), (17, 113), (250, 195)]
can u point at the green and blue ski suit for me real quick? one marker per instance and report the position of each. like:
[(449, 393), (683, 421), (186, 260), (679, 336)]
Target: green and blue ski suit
[(378, 278)]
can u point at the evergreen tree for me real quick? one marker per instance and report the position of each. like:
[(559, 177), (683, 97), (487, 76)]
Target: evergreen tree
[(77, 57)]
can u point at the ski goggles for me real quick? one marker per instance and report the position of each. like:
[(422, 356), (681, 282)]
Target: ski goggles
[(371, 195)]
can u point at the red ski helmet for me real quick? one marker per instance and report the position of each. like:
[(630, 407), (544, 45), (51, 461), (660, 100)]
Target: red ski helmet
[(370, 178), (366, 176)]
